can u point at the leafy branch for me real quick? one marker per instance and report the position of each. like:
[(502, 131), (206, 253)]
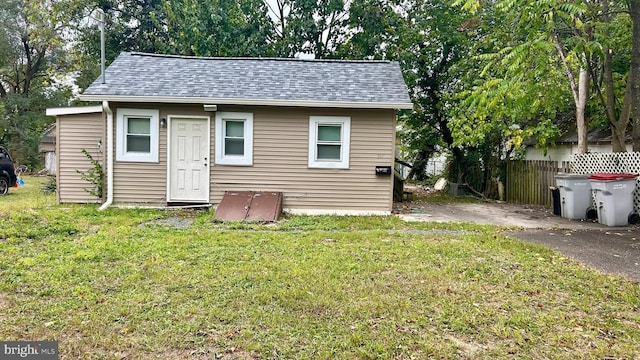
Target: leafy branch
[(94, 175)]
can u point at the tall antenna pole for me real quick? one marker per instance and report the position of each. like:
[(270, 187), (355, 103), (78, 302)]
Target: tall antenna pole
[(102, 46)]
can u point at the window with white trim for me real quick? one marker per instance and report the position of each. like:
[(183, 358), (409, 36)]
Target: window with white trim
[(234, 138), (329, 141), (137, 135)]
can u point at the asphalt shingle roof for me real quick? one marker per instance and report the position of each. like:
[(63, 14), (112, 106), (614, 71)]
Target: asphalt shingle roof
[(260, 81)]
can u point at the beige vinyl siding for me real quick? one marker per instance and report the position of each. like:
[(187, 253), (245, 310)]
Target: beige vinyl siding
[(141, 182), (74, 133), (280, 162)]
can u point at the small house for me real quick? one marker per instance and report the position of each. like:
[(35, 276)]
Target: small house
[(181, 131)]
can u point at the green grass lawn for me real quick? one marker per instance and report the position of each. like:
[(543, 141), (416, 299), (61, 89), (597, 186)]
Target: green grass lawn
[(127, 284)]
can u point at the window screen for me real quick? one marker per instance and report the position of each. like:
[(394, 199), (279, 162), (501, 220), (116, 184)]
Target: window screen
[(329, 142), (234, 137), (138, 135)]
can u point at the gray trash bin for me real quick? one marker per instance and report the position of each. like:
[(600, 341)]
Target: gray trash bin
[(575, 195), (614, 197)]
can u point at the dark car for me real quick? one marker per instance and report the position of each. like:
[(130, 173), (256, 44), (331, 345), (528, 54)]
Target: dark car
[(7, 172)]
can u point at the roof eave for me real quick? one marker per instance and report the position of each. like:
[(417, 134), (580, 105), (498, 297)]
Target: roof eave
[(255, 102), (73, 110)]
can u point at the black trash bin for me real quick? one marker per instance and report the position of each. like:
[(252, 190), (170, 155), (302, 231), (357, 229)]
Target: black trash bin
[(555, 194)]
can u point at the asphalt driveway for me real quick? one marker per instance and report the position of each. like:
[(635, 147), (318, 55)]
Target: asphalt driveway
[(613, 250)]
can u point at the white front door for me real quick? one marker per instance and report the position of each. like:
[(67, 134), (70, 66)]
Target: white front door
[(189, 159)]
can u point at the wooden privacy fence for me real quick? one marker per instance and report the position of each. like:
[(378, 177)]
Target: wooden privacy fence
[(528, 181)]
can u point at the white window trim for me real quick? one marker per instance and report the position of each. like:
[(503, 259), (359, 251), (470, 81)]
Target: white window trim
[(121, 135), (345, 148), (247, 158)]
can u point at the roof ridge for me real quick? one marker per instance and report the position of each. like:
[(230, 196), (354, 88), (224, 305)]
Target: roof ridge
[(136, 53)]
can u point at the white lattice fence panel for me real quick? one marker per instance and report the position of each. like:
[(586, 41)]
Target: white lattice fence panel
[(628, 162)]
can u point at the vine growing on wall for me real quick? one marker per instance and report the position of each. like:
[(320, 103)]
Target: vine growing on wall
[(94, 175)]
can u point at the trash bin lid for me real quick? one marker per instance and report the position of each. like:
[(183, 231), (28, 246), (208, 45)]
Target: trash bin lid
[(612, 176), (571, 176)]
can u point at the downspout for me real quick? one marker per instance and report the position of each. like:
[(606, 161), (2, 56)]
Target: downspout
[(109, 155)]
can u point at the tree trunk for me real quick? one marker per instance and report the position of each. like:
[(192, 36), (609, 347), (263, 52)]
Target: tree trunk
[(634, 73), (619, 121), (579, 91), (419, 167), (581, 105), (620, 127)]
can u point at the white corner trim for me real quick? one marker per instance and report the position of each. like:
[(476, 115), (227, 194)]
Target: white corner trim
[(74, 110), (338, 212), (240, 101)]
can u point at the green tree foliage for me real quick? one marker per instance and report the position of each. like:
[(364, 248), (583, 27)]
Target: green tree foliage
[(374, 29), (532, 65), (431, 46), (315, 27), (587, 43), (216, 28), (184, 27), (32, 58), (433, 42)]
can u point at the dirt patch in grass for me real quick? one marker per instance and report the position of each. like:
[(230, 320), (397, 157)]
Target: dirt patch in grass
[(466, 349), (4, 304), (173, 221), (215, 354)]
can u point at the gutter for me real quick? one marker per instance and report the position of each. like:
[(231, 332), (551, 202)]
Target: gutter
[(109, 155)]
